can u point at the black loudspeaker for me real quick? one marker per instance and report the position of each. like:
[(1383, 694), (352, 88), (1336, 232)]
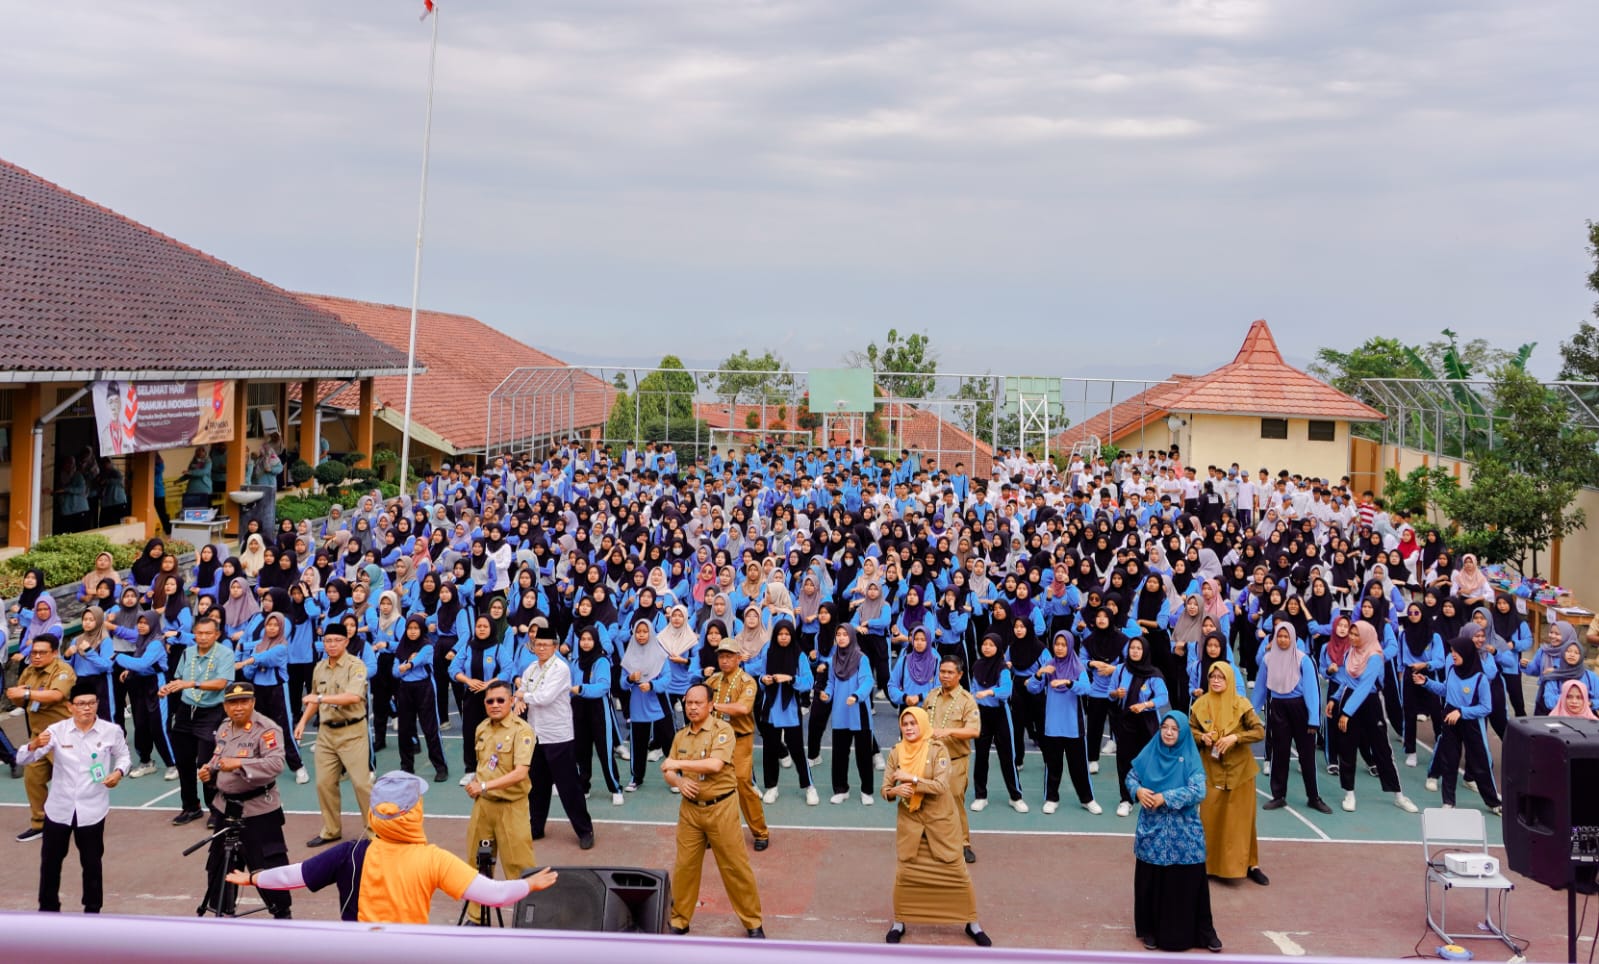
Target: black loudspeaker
[(612, 899), (1551, 822)]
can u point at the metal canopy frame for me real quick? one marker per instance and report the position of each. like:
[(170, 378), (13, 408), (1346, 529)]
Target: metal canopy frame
[(1447, 416), (540, 404)]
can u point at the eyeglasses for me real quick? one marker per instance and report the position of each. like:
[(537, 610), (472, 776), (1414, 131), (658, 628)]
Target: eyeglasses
[(85, 705), (495, 702)]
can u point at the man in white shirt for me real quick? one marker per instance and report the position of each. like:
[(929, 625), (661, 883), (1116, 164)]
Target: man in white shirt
[(90, 757), (545, 690)]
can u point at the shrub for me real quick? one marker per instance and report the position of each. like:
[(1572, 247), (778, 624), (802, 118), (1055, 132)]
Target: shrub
[(331, 472), (299, 508), (353, 458), (390, 490), (301, 472), (65, 558)]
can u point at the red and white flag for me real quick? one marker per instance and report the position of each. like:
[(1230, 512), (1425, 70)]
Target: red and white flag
[(427, 8)]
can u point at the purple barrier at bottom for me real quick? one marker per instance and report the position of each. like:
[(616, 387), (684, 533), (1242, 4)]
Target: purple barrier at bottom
[(163, 940)]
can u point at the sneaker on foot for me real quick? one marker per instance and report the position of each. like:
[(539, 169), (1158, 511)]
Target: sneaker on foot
[(1332, 768), (769, 796), (1093, 767), (1020, 806), (623, 753), (1110, 749), (877, 762), (1432, 785), (142, 770), (1124, 809), (1050, 806), (1093, 807), (811, 797), (979, 805), (1403, 802), (445, 725), (867, 800), (616, 799), (786, 763), (32, 833), (630, 788), (815, 762), (1410, 759), (653, 756), (170, 775), (302, 776), (1470, 785), (1349, 801), (838, 798)]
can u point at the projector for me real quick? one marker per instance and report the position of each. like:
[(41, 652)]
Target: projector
[(1471, 865)]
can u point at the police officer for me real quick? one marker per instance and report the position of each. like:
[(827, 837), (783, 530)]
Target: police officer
[(43, 690), (954, 717), (700, 768), (500, 784), (338, 697), (733, 702), (249, 755)]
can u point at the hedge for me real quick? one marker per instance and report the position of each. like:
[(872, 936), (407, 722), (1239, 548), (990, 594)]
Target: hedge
[(65, 558)]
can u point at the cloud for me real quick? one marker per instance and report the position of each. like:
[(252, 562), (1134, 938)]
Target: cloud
[(1101, 183)]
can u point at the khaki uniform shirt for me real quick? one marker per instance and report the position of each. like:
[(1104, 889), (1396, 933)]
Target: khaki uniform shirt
[(956, 710), (714, 738), (258, 744), (502, 746), (349, 676), (55, 675), (938, 817), (739, 687)]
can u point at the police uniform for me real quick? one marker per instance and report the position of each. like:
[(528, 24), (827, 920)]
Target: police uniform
[(739, 687), (955, 710), (250, 792), (342, 746), (54, 675), (710, 820), (501, 814)]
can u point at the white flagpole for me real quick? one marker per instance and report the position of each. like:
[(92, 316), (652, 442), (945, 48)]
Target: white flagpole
[(416, 271)]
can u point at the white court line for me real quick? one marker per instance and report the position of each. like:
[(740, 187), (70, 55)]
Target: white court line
[(146, 806), (1285, 943), (816, 828), (1298, 816)]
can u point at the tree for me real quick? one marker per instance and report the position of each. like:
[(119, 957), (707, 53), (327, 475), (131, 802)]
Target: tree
[(1580, 355), (1523, 488), (905, 368), (660, 410), (763, 379), (978, 419)]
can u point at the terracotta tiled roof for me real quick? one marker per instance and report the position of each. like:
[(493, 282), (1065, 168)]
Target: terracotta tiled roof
[(714, 415), (1130, 415), (1259, 382), (465, 359), (86, 292)]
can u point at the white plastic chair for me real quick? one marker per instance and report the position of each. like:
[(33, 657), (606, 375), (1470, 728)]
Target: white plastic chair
[(1462, 831)]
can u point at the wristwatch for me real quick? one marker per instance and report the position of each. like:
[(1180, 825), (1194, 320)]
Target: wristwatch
[(916, 781)]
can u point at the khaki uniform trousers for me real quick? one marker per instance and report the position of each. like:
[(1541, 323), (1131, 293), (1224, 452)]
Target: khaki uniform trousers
[(716, 825), (749, 798), (36, 781), (339, 752), (959, 772), (506, 823)]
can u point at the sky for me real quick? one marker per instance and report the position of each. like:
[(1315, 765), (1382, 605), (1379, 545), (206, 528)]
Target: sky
[(1042, 187)]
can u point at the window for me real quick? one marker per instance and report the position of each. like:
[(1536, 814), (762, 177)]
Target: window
[(262, 400), (1274, 428), (1323, 431)]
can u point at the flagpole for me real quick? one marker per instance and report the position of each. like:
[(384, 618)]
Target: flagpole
[(416, 270)]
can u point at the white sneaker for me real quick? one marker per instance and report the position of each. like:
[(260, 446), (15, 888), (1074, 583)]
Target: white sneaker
[(769, 796), (445, 726), (838, 798), (815, 762), (170, 775), (1093, 807), (1110, 749), (1349, 801), (1051, 806), (616, 799), (811, 797), (302, 776), (979, 805), (1470, 785), (466, 778), (1410, 759), (786, 763), (867, 800), (1020, 806), (623, 752), (1432, 785), (142, 770), (1403, 802), (1093, 767), (1124, 809), (654, 755), (1268, 768), (877, 762)]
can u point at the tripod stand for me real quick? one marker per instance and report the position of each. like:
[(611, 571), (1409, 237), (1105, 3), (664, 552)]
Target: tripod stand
[(485, 866), (222, 898)]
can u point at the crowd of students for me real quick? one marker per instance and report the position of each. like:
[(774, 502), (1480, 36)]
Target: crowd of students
[(1083, 604)]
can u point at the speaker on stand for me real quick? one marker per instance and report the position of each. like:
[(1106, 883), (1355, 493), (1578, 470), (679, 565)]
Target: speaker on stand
[(609, 899), (1551, 822)]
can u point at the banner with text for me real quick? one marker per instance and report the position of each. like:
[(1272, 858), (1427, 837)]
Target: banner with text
[(141, 416)]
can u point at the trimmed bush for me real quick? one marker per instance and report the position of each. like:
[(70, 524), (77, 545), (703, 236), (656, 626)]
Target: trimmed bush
[(65, 558), (301, 472), (331, 472), (299, 508)]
